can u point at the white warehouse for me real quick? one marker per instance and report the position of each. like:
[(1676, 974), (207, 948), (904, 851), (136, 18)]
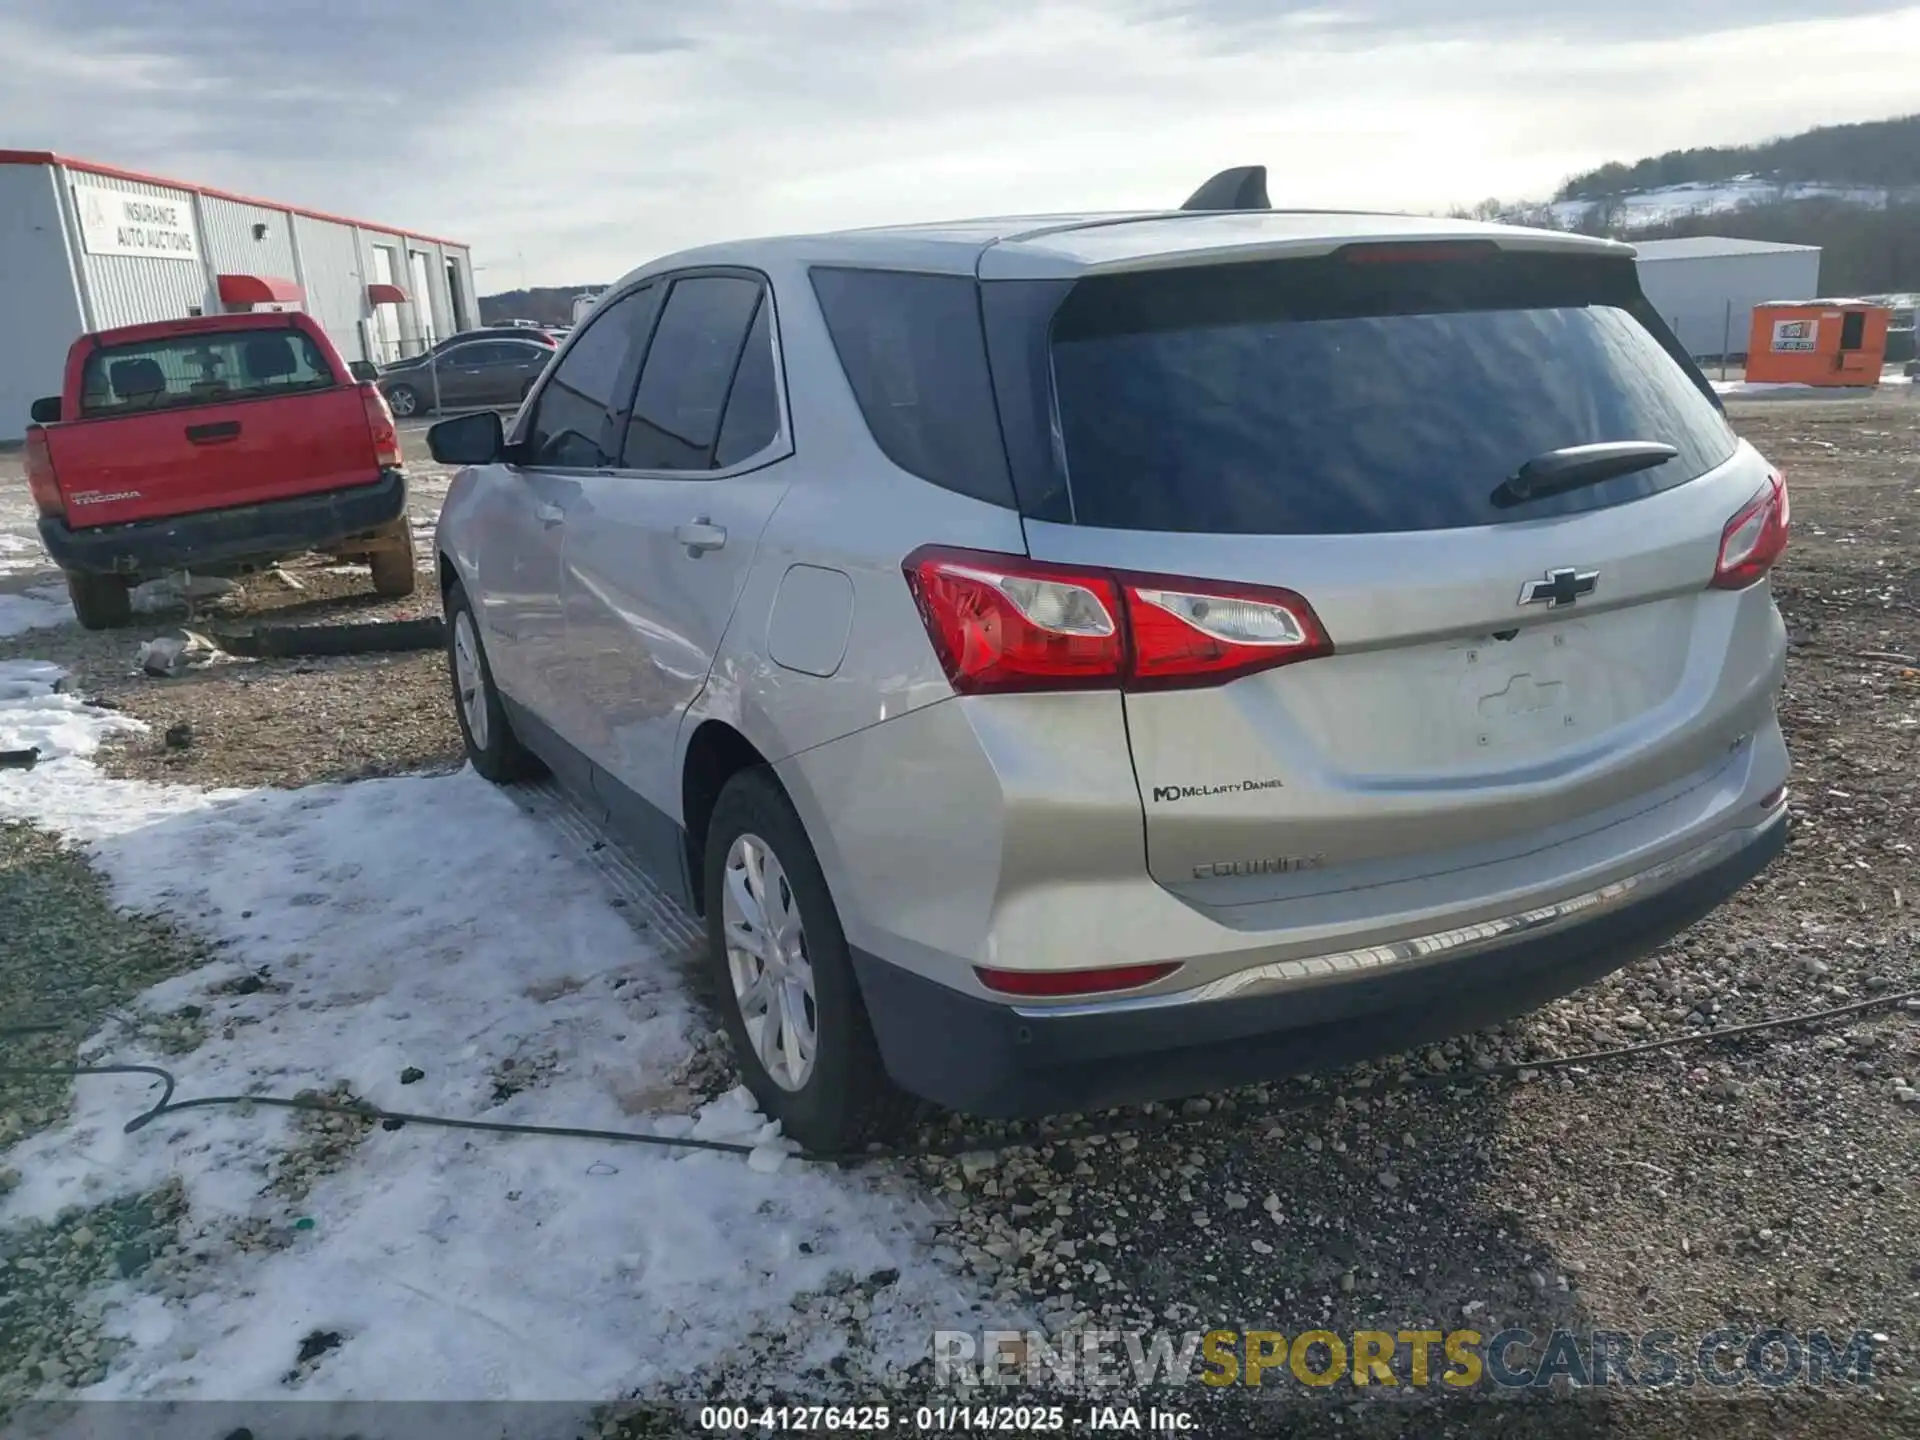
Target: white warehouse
[(1706, 286), (85, 246)]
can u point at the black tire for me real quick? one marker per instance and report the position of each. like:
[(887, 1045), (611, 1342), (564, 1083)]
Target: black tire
[(411, 405), (503, 759), (394, 573), (102, 602), (848, 1098)]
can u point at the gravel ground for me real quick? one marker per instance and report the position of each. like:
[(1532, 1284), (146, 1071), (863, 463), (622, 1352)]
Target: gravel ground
[(70, 959), (1744, 1185)]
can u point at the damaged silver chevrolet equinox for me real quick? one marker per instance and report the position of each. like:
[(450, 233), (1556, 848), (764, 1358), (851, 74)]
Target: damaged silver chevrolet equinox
[(1083, 659)]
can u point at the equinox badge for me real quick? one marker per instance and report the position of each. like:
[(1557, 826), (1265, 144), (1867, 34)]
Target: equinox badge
[(1559, 587)]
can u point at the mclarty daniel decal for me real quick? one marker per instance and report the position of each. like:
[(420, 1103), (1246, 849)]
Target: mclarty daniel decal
[(1165, 794)]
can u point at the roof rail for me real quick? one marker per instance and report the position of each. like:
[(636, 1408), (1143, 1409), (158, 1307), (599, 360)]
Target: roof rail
[(1242, 188)]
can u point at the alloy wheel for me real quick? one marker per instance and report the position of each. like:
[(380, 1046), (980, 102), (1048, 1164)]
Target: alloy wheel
[(767, 962), (468, 679)]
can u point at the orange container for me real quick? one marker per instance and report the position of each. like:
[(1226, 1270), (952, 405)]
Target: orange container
[(1817, 342)]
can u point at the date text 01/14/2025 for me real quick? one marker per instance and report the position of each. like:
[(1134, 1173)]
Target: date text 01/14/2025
[(942, 1419)]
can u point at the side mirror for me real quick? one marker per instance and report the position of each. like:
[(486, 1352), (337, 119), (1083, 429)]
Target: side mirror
[(476, 439), (363, 371), (45, 411)]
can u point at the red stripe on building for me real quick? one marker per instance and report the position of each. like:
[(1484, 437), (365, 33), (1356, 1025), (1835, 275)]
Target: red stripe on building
[(114, 172)]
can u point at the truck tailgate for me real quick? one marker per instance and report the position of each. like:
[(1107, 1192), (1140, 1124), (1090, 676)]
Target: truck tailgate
[(175, 461)]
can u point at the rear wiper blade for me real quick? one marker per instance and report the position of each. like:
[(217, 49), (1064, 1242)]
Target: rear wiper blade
[(1573, 466)]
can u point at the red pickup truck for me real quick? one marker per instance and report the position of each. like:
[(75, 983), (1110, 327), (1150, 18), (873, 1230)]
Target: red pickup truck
[(216, 445)]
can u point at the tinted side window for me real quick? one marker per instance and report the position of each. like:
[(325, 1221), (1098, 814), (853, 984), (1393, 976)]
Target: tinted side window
[(683, 386), (483, 353), (753, 405), (573, 425), (912, 348)]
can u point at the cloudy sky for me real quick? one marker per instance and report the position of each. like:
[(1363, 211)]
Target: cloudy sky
[(570, 140)]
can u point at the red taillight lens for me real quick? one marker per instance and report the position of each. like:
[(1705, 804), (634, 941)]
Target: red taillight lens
[(1754, 538), (386, 439), (1188, 633), (41, 483), (1073, 982), (1004, 623)]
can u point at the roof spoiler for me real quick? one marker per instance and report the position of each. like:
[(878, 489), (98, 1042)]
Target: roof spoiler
[(1242, 188)]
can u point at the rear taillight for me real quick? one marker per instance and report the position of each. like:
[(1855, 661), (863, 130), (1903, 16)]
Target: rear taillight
[(1754, 538), (41, 483), (1002, 623), (386, 439), (1073, 982), (1187, 633)]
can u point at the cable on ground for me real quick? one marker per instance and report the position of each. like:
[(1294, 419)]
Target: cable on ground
[(167, 1105)]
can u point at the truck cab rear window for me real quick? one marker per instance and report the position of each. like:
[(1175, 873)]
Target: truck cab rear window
[(201, 370), (1328, 397)]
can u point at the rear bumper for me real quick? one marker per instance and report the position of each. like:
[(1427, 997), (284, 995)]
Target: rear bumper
[(209, 539), (992, 1059)]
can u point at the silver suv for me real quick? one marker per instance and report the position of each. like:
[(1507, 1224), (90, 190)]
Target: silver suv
[(1076, 660)]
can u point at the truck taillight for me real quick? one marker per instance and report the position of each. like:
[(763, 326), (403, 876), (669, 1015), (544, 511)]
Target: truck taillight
[(41, 483), (1003, 623), (1754, 538), (386, 439)]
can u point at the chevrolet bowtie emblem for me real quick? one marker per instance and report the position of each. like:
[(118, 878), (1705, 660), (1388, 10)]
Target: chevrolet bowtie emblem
[(1559, 587)]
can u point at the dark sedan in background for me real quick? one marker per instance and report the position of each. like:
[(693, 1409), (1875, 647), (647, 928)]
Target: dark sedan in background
[(478, 369)]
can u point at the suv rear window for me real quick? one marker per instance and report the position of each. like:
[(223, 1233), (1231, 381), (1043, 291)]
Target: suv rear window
[(1328, 396), (202, 370)]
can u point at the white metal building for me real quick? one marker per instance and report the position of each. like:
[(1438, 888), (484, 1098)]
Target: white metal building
[(85, 246), (1706, 286)]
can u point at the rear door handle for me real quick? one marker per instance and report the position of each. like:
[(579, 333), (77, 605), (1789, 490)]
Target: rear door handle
[(701, 536), (550, 515), (213, 434)]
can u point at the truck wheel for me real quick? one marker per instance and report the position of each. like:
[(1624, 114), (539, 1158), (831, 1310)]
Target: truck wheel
[(782, 977), (492, 747), (394, 575), (403, 400), (102, 602)]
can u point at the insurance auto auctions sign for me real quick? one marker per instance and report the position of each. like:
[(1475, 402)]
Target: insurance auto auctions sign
[(115, 222)]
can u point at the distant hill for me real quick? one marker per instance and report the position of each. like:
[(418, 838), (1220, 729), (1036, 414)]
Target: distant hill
[(544, 304), (1879, 154)]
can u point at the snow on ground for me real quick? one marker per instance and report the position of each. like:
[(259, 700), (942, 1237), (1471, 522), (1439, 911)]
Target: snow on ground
[(32, 609), (20, 550), (428, 922), (63, 789), (1765, 390)]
